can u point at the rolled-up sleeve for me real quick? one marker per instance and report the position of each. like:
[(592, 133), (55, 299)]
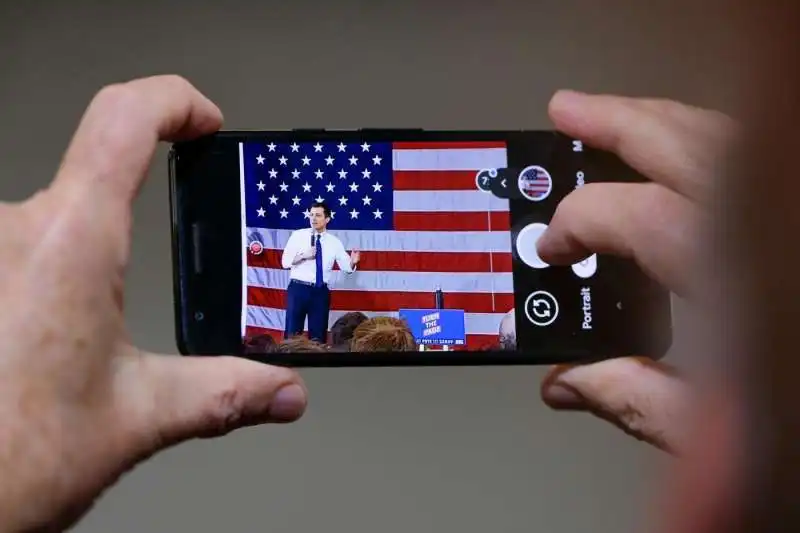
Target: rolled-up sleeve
[(290, 251), (343, 260)]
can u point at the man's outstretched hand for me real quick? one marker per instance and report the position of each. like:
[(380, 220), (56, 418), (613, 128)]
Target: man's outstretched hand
[(657, 224), (79, 404)]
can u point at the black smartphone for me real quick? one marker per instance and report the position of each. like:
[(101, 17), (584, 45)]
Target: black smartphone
[(397, 247)]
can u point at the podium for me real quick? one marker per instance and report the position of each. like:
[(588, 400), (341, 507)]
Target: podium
[(436, 327)]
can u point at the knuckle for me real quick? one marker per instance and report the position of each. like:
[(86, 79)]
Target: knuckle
[(656, 206), (224, 411), (113, 111), (575, 201), (177, 81), (115, 98), (660, 106)]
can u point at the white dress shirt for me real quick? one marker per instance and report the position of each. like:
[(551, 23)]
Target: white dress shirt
[(306, 270)]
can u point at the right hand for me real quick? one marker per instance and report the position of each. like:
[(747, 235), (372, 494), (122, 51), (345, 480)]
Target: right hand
[(309, 253), (656, 224)]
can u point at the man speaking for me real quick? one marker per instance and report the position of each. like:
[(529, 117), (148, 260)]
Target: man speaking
[(310, 254)]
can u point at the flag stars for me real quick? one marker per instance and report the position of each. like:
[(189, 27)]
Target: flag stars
[(340, 162)]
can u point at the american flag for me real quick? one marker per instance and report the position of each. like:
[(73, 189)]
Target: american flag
[(414, 211), (535, 183)]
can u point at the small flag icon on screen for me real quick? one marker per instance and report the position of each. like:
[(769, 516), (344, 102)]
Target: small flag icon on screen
[(535, 183)]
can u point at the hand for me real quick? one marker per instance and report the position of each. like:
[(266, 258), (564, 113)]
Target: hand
[(79, 404), (310, 253), (355, 257), (656, 224)]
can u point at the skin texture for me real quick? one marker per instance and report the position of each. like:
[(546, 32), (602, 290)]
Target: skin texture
[(87, 374), (79, 404), (679, 148)]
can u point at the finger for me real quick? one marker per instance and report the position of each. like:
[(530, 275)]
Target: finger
[(644, 398), (645, 222), (115, 141), (191, 397), (671, 143)]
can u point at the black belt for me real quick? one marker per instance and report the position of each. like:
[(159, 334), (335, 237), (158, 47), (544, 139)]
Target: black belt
[(308, 283)]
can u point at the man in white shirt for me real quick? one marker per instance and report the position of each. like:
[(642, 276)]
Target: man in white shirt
[(310, 254)]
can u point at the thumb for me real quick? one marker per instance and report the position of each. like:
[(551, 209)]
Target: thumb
[(196, 397), (642, 397)]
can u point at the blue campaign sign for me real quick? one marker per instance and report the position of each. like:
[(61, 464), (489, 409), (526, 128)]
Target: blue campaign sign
[(437, 327)]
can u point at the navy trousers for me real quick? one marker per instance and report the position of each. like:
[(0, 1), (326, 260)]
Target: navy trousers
[(307, 301)]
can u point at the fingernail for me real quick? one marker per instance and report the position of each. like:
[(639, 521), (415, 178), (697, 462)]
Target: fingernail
[(559, 396), (288, 404)]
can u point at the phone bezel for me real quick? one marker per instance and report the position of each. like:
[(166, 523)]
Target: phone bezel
[(211, 336)]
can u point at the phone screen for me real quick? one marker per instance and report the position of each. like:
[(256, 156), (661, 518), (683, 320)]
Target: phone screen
[(366, 241)]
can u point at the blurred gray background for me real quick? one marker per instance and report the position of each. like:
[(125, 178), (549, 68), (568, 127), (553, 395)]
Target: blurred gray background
[(390, 450)]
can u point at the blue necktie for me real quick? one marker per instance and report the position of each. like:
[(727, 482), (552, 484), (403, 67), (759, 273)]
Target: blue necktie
[(318, 257)]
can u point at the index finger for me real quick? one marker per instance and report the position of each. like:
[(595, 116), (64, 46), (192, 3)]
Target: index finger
[(671, 143), (112, 148)]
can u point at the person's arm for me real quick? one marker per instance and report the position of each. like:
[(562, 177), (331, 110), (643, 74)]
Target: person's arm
[(343, 260), (294, 252)]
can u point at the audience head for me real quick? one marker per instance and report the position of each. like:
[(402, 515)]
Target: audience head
[(300, 344), (383, 334), (508, 332), (257, 344), (344, 327)]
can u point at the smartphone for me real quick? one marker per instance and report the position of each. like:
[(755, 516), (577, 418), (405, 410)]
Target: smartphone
[(397, 247)]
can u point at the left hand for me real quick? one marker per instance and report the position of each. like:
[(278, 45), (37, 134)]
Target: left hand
[(355, 257), (79, 403)]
